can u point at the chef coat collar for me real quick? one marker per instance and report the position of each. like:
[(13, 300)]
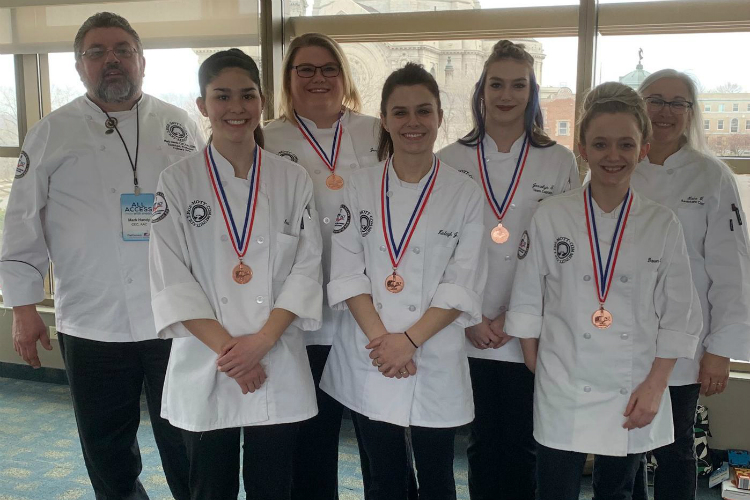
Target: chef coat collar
[(676, 160), (226, 170), (394, 180), (118, 114), (490, 147), (314, 128), (601, 213)]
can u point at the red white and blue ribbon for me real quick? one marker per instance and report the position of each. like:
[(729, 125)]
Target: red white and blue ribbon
[(501, 208), (603, 273), (240, 241), (330, 161), (397, 252)]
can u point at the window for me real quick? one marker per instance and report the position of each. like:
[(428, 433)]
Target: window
[(562, 127), (720, 125), (734, 125), (300, 8), (735, 106), (721, 108), (748, 107), (747, 124), (706, 124), (8, 104), (707, 107), (457, 65)]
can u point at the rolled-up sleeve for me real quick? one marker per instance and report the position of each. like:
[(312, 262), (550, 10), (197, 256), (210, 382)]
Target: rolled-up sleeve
[(348, 278), (728, 269), (24, 259), (676, 300), (302, 291), (463, 281), (176, 296), (526, 309)]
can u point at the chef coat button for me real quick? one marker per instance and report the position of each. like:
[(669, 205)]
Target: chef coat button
[(326, 220), (88, 117), (224, 300), (130, 280), (587, 335), (507, 257), (113, 190), (587, 389), (670, 171), (224, 237), (502, 309), (259, 299), (317, 170), (623, 391), (158, 148), (380, 306), (624, 279), (512, 205), (152, 115), (624, 336), (102, 148), (382, 248), (353, 165), (260, 240), (587, 278), (412, 308), (416, 250), (389, 194)]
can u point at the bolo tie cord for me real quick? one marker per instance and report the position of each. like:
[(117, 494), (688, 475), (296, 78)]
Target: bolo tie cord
[(111, 124)]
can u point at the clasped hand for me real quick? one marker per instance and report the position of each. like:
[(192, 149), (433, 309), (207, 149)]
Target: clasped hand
[(240, 359), (392, 353)]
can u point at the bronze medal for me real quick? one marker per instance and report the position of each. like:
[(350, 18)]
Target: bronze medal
[(602, 318), (334, 182), (242, 274), (394, 283), (499, 234)]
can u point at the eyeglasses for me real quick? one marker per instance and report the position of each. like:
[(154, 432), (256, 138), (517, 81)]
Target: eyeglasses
[(678, 107), (308, 70), (96, 53)]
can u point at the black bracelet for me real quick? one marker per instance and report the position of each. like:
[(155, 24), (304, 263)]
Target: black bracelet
[(410, 340)]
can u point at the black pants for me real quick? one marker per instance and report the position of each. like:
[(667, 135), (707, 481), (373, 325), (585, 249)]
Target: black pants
[(559, 475), (501, 448), (317, 448), (266, 464), (675, 476), (386, 449), (106, 380)]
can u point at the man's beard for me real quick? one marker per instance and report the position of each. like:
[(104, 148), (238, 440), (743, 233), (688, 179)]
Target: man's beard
[(116, 91)]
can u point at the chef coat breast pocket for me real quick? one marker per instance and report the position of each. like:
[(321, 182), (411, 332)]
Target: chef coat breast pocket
[(439, 256), (283, 255), (694, 224)]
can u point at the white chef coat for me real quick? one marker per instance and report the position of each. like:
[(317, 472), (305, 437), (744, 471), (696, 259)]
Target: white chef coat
[(191, 278), (359, 148), (585, 376), (701, 190), (549, 171), (65, 207), (444, 266)]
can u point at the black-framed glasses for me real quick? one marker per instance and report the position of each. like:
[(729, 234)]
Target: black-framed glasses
[(308, 70), (96, 53), (678, 107)]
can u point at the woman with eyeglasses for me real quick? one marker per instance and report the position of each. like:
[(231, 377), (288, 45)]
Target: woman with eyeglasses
[(321, 129), (682, 174)]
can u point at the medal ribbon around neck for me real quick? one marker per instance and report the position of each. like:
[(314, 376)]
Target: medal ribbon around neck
[(603, 275), (240, 242), (330, 161), (497, 208), (397, 252)]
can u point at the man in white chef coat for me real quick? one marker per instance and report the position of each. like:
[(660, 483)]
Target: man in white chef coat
[(82, 198)]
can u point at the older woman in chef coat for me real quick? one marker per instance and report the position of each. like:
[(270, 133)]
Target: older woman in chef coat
[(604, 290), (321, 129), (409, 261), (235, 278)]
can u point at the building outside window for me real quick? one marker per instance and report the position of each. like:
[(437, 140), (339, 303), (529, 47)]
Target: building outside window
[(720, 125), (706, 124), (562, 127)]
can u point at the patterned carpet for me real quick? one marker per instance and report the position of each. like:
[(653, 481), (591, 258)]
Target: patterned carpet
[(40, 457)]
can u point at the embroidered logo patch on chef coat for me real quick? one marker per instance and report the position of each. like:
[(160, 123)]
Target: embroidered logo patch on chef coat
[(523, 246), (23, 165), (160, 208), (290, 155), (179, 136), (466, 172), (198, 213), (564, 249), (342, 219), (365, 222)]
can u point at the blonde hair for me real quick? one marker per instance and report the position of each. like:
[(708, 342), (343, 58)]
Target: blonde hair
[(351, 96), (694, 135), (613, 97)]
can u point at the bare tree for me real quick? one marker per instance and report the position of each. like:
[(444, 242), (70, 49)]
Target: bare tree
[(8, 117), (728, 88)]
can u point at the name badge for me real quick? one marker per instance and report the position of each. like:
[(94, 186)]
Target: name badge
[(136, 216)]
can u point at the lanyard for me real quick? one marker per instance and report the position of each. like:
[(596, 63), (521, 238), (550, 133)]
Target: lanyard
[(111, 124)]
